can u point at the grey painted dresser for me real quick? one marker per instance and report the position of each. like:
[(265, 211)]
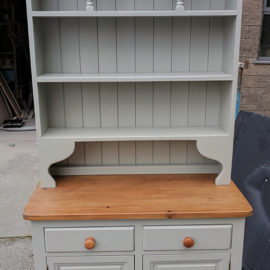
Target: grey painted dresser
[(134, 104), (138, 222)]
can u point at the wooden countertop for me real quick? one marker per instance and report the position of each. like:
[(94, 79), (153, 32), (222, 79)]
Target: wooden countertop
[(136, 197)]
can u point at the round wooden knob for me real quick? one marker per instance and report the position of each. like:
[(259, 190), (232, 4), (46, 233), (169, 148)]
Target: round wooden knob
[(89, 242), (188, 242)]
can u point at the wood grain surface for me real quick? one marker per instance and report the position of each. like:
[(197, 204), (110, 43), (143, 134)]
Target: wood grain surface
[(136, 197)]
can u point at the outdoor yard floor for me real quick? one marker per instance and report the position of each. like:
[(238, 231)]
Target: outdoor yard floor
[(19, 175)]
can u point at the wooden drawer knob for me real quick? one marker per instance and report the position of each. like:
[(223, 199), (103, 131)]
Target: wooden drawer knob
[(89, 242), (188, 242)]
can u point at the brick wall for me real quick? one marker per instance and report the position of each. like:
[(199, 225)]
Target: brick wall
[(255, 89)]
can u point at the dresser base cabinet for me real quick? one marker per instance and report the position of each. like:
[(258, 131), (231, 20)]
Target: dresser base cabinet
[(223, 253), (150, 222)]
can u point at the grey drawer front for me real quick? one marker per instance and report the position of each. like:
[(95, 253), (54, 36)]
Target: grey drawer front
[(171, 237), (72, 239)]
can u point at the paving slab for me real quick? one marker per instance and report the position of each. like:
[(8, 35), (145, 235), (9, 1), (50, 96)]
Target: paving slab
[(16, 254), (19, 175)]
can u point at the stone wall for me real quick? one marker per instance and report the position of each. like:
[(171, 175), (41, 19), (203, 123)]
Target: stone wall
[(255, 88)]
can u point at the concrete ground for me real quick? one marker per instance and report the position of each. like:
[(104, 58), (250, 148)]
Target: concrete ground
[(19, 176)]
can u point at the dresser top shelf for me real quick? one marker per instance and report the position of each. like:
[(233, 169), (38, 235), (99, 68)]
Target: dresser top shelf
[(136, 197), (190, 13)]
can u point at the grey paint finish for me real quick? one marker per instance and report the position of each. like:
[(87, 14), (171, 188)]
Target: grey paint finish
[(131, 4), (92, 263), (191, 262), (128, 105), (133, 44), (171, 237), (72, 239), (160, 258)]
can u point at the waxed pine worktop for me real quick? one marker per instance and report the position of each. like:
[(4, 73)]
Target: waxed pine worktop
[(136, 197)]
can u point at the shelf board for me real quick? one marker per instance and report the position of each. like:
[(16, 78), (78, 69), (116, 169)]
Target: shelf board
[(135, 77), (133, 133), (188, 13)]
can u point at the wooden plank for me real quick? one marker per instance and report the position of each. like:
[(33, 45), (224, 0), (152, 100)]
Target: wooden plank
[(9, 96), (5, 112), (88, 45), (144, 104), (137, 13), (127, 153), (48, 5), (144, 45), (93, 153), (126, 104), (162, 44), (136, 77), (91, 104), (187, 4), (51, 46), (131, 133), (213, 100), (125, 5), (193, 156), (110, 154), (73, 105), (144, 4), (199, 44), (70, 45), (138, 169), (108, 105), (178, 152), (215, 57), (201, 4), (81, 198), (197, 101), (125, 45), (163, 4), (106, 5), (218, 4), (181, 44), (161, 152), (144, 153), (179, 104), (107, 44), (67, 5), (77, 158), (82, 5), (162, 104), (56, 105)]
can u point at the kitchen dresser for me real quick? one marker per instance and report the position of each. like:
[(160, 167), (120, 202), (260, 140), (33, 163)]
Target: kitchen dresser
[(134, 105)]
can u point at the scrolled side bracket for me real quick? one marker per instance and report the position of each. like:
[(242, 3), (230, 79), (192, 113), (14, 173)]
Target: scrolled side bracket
[(219, 149), (50, 152)]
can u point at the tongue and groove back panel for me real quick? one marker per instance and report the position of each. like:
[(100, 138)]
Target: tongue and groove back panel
[(110, 45), (133, 4), (134, 45), (160, 104)]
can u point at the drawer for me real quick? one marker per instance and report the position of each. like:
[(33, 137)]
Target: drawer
[(99, 239), (172, 237)]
